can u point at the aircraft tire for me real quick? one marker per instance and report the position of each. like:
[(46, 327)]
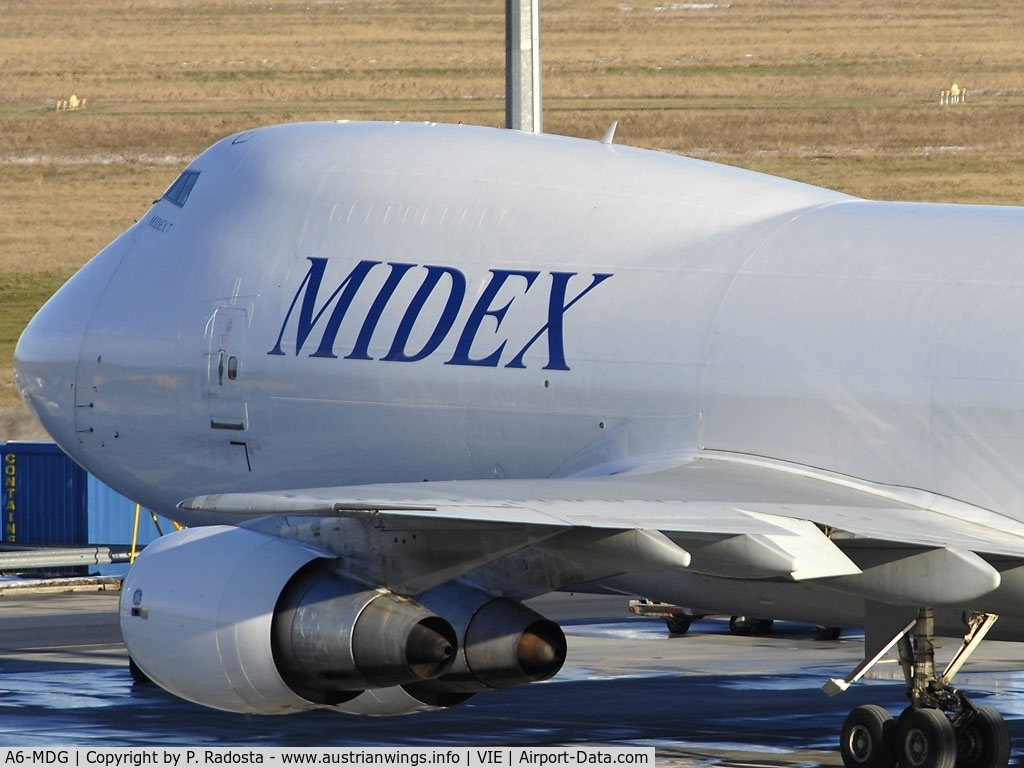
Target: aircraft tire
[(678, 625), (867, 738), (925, 739), (984, 742), (745, 625), (741, 625), (828, 633)]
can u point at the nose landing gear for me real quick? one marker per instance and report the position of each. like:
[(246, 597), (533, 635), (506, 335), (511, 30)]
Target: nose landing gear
[(941, 728)]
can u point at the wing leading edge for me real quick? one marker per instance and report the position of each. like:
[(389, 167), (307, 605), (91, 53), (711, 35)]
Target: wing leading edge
[(718, 515)]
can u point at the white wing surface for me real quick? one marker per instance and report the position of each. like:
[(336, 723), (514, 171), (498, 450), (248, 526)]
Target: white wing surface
[(726, 515)]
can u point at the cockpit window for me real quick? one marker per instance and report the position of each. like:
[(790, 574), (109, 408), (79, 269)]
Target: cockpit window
[(182, 187)]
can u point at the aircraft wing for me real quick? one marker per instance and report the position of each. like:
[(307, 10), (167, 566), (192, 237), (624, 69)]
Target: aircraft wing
[(718, 515)]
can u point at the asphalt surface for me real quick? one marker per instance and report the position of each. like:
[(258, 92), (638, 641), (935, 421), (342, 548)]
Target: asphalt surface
[(707, 698)]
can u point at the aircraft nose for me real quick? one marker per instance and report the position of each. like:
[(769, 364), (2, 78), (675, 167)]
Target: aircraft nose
[(46, 356)]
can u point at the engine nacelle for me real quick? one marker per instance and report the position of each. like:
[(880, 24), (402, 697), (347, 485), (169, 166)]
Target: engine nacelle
[(383, 702), (333, 638), (502, 644), (247, 622)]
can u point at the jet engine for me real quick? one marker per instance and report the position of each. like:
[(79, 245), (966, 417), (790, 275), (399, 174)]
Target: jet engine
[(501, 644), (333, 639), (248, 622)]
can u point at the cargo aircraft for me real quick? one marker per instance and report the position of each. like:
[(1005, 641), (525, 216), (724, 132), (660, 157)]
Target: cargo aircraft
[(398, 378)]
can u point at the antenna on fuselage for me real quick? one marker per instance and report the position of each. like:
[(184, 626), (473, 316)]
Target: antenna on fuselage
[(522, 66)]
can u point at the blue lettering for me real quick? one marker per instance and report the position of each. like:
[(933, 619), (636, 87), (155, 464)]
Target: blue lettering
[(362, 348), (553, 327), (308, 289), (484, 319), (444, 323), (483, 309)]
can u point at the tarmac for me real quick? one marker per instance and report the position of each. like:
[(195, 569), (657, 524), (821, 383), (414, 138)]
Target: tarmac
[(704, 699)]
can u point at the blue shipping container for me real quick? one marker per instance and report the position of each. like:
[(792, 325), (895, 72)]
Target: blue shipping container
[(112, 521), (44, 495), (112, 517)]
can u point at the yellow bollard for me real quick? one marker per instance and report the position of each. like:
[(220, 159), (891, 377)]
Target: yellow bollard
[(135, 534)]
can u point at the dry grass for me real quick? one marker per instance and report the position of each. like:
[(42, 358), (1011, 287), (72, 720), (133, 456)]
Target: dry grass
[(842, 93)]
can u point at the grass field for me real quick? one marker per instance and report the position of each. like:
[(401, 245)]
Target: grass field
[(842, 93)]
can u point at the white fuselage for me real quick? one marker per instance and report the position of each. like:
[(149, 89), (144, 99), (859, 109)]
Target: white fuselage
[(337, 304)]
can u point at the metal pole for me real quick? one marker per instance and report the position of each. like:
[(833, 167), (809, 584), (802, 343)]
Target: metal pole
[(522, 66)]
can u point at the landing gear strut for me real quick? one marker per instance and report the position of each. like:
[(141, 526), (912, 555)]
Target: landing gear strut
[(941, 728)]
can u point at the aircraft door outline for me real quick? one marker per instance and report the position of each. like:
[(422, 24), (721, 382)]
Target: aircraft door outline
[(222, 387)]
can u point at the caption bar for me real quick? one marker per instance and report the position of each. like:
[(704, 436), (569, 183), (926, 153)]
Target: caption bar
[(463, 757)]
